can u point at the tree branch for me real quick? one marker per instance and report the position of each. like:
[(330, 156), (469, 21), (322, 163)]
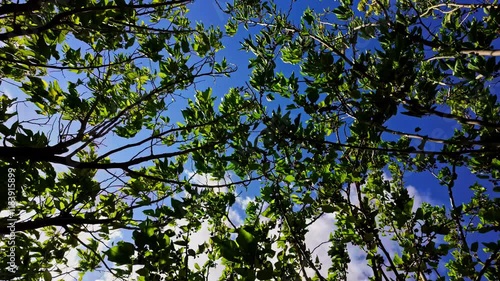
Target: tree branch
[(62, 67), (59, 18), (124, 165), (487, 263), (29, 6), (56, 221), (395, 150)]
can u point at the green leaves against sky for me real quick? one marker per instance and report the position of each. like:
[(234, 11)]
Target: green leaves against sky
[(359, 140)]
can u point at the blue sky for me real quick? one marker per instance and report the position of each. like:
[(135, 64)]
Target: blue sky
[(424, 186)]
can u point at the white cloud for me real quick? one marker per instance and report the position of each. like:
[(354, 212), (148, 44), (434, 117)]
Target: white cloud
[(108, 276), (417, 195), (11, 109), (218, 185), (243, 202), (195, 240), (235, 217), (72, 255), (317, 238), (317, 241), (358, 269), (419, 198)]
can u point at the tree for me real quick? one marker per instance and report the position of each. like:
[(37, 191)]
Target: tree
[(368, 82), (87, 72), (353, 77)]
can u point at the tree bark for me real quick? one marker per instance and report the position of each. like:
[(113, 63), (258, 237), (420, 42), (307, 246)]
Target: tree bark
[(29, 6)]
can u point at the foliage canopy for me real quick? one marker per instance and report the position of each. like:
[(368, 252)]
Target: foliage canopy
[(339, 111)]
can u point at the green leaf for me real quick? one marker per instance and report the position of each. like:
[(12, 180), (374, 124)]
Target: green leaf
[(231, 28), (474, 246), (343, 13), (121, 253), (397, 260), (230, 251), (266, 273), (308, 16), (291, 55), (289, 178), (47, 276), (245, 239), (312, 95), (328, 208), (181, 243), (178, 206), (185, 45)]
